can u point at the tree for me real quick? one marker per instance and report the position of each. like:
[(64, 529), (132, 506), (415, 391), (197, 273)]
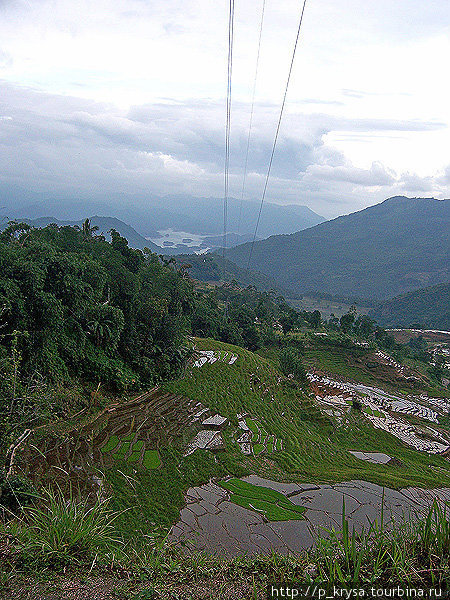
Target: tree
[(364, 325), (346, 322), (88, 229), (316, 319), (288, 319), (333, 321), (291, 364)]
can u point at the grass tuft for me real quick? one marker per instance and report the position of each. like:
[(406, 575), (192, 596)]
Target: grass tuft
[(64, 530)]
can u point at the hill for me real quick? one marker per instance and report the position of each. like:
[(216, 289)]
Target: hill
[(209, 268), (428, 307), (147, 213), (171, 438), (391, 248)]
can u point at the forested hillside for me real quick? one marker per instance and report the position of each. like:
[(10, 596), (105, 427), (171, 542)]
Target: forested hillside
[(429, 308), (104, 225), (391, 248), (77, 308)]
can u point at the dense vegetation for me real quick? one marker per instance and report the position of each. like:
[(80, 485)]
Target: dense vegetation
[(427, 308), (87, 322), (385, 250), (104, 224), (75, 307)]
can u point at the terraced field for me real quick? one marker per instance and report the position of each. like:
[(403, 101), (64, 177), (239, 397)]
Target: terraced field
[(255, 439), (290, 435), (132, 432), (231, 416)]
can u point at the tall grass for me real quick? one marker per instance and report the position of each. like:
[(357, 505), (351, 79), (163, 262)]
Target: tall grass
[(61, 530), (412, 553), (418, 551)]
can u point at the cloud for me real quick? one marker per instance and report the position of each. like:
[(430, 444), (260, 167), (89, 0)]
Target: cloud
[(75, 147), (412, 183), (377, 175)]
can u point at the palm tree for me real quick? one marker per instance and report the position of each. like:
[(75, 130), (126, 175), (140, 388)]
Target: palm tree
[(88, 229)]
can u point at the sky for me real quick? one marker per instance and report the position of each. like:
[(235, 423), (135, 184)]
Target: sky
[(128, 97)]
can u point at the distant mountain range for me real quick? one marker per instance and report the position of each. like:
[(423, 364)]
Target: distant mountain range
[(382, 251), (150, 214), (428, 307)]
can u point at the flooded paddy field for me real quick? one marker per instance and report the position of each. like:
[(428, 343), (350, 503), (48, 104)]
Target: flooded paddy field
[(212, 522)]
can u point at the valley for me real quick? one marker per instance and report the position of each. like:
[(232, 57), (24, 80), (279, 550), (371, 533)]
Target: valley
[(189, 421)]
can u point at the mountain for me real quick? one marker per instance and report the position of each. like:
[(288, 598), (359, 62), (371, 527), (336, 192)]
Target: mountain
[(428, 307), (148, 214), (104, 224), (388, 249), (209, 268), (205, 216)]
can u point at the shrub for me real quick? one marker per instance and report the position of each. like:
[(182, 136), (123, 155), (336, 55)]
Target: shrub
[(291, 364), (15, 492)]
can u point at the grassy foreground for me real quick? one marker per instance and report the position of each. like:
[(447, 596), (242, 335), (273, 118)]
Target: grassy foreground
[(67, 549)]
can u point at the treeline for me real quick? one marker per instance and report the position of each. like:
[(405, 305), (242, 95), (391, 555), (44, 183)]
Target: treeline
[(74, 304)]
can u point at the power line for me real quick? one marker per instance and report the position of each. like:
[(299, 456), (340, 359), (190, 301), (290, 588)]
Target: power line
[(276, 133), (251, 114), (227, 129)]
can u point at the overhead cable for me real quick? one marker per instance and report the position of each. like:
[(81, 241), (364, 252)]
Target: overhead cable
[(244, 179), (228, 129), (276, 134)]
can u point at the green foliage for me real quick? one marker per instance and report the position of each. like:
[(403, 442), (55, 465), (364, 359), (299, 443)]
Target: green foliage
[(15, 492), (426, 308), (415, 553), (91, 308), (60, 531), (291, 364)]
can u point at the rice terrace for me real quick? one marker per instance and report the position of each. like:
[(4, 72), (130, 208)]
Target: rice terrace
[(224, 300), (251, 419)]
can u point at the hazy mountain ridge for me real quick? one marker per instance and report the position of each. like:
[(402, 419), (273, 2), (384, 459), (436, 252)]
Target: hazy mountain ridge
[(148, 214), (382, 251)]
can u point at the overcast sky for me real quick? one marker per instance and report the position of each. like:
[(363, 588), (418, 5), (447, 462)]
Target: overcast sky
[(129, 96)]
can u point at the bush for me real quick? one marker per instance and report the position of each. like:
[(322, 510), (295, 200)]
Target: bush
[(291, 364), (15, 492)]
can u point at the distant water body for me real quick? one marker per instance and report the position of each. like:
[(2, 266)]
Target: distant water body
[(171, 238)]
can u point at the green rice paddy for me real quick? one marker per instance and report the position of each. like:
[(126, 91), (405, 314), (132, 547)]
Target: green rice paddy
[(124, 447), (273, 505), (151, 459), (111, 444), (261, 440)]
